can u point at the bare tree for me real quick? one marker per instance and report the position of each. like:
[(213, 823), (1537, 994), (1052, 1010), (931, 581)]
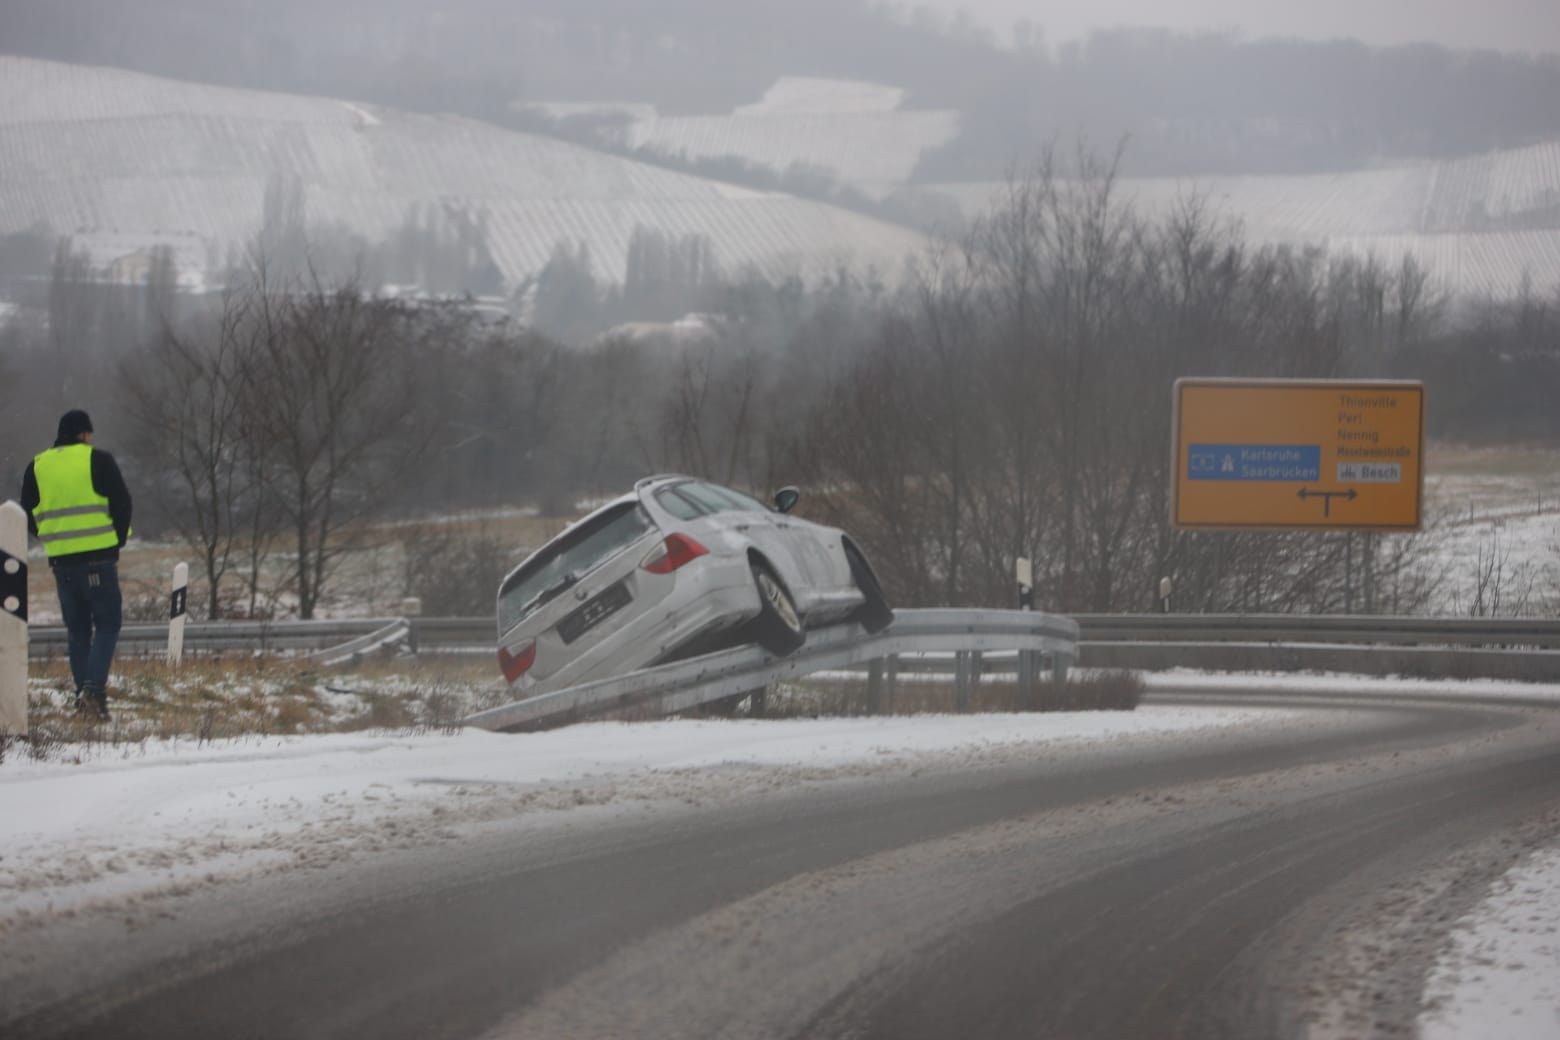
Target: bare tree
[(1500, 587), (73, 321), (708, 424), (183, 397), (331, 396)]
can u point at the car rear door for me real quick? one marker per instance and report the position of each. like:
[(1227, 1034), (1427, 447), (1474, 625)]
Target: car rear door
[(752, 521)]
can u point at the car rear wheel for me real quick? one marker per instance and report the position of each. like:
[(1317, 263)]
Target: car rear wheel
[(874, 614), (778, 626)]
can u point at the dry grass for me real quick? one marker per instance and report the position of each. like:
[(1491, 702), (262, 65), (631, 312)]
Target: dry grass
[(212, 698)]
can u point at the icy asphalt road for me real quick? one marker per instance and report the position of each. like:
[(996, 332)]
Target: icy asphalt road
[(1194, 870)]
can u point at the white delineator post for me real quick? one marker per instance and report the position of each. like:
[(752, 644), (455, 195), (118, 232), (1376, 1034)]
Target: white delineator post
[(13, 620), (176, 616)]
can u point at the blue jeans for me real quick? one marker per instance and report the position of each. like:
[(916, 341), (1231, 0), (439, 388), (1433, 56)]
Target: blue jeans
[(90, 604)]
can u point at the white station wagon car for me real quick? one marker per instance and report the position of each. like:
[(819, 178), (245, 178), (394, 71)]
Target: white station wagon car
[(676, 568)]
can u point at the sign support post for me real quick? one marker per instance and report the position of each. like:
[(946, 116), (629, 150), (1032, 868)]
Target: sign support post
[(1028, 660)]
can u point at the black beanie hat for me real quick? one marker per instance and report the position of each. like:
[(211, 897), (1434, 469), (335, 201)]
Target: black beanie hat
[(73, 424)]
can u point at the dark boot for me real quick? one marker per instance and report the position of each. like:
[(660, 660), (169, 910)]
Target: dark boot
[(94, 701)]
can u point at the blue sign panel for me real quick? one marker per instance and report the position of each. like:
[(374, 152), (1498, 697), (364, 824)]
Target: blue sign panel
[(1254, 462)]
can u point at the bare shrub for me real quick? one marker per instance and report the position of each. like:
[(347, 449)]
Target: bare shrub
[(294, 715), (1498, 586), (383, 711), (455, 570), (1095, 691), (142, 601), (443, 711)]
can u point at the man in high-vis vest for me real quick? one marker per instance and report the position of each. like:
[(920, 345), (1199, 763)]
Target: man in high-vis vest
[(79, 508)]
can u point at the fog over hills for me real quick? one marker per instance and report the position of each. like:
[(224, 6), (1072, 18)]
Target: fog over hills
[(796, 138), (1198, 91), (1507, 25)]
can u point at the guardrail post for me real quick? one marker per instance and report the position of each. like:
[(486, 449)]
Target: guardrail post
[(1060, 663), (875, 686), (890, 681), (1028, 673), (13, 620), (176, 613), (966, 666), (411, 609)]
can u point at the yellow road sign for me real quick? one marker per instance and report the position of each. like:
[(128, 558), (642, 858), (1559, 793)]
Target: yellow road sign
[(1278, 454)]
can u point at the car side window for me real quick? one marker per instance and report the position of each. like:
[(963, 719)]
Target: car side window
[(721, 500), (679, 506), (705, 496)]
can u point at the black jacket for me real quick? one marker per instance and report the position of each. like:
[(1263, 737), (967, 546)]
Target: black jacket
[(106, 481)]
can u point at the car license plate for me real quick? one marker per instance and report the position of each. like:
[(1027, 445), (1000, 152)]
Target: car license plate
[(594, 612)]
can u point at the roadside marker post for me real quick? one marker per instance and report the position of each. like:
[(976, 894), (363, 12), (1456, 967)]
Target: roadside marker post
[(176, 613), (13, 620)]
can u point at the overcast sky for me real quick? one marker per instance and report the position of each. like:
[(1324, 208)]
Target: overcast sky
[(1527, 25)]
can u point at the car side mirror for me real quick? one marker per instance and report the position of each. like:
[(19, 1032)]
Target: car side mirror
[(786, 498)]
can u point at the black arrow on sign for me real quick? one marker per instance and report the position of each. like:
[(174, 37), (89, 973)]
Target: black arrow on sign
[(1327, 497)]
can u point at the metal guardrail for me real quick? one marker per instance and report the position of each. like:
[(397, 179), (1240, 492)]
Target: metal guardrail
[(671, 688), (216, 637), (1526, 649), (479, 633), (1373, 629), (1425, 662), (395, 634)]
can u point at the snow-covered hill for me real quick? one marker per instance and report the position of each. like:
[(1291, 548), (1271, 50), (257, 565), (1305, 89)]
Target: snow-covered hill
[(856, 131), (97, 152)]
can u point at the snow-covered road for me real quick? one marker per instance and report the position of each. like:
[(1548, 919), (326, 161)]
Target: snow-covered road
[(121, 827)]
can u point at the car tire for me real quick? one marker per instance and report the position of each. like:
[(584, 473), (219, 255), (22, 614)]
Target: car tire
[(778, 626), (874, 614)]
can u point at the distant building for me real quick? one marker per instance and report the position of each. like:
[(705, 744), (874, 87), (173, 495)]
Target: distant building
[(126, 259), (685, 331)]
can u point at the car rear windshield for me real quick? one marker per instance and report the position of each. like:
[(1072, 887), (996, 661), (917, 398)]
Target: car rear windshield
[(568, 558)]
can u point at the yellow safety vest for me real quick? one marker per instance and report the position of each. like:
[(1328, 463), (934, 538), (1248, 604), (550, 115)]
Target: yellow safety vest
[(71, 516)]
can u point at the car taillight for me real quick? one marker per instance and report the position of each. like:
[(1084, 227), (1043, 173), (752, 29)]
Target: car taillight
[(677, 550), (516, 665)]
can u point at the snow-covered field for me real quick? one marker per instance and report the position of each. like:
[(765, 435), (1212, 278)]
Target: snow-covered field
[(125, 827), (859, 132), (1494, 512)]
